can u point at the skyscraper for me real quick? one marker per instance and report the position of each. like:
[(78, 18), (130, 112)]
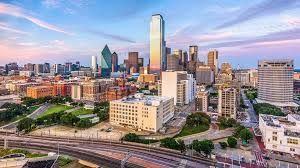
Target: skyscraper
[(106, 62), (193, 50), (178, 53), (94, 64), (212, 61), (132, 62), (158, 56), (275, 82), (114, 62)]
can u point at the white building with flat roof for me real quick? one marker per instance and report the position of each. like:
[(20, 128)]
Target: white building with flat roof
[(177, 84), (281, 134), (148, 113)]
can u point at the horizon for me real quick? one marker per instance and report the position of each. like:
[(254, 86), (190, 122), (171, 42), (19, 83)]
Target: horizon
[(57, 31)]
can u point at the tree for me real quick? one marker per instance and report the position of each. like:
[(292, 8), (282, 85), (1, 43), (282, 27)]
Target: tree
[(223, 145), (171, 143), (25, 124), (226, 122), (197, 119), (265, 108), (246, 135), (131, 137), (84, 123), (237, 130), (232, 142), (205, 146), (69, 119)]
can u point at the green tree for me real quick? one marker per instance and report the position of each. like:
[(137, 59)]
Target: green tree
[(223, 145), (84, 123), (171, 143), (25, 124), (232, 142), (69, 119), (265, 108), (246, 135), (205, 146), (182, 146), (237, 130), (197, 119), (131, 137)]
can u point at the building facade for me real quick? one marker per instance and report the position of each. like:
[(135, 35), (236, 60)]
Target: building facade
[(281, 134), (106, 62), (275, 82), (201, 99), (227, 102), (148, 113), (39, 91), (212, 61), (204, 75), (179, 85), (158, 56)]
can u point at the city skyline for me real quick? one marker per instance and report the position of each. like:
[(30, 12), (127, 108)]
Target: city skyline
[(55, 31)]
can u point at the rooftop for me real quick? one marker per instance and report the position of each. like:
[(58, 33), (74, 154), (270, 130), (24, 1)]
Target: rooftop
[(140, 98)]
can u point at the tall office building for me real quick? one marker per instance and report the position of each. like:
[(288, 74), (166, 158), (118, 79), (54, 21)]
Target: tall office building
[(106, 62), (193, 50), (275, 82), (178, 53), (94, 64), (184, 60), (204, 75), (158, 56), (177, 84), (38, 68), (114, 62), (46, 68), (212, 61), (132, 62), (172, 62)]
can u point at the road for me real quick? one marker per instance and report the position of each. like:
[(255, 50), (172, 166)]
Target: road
[(135, 154), (33, 115), (250, 110)]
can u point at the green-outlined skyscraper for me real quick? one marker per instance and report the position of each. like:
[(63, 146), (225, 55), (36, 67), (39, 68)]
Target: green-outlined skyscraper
[(105, 62)]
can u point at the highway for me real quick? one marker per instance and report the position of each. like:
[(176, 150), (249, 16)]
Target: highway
[(136, 155)]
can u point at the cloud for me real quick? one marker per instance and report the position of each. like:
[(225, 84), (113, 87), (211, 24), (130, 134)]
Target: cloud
[(20, 13), (264, 8), (286, 35), (112, 36), (4, 26)]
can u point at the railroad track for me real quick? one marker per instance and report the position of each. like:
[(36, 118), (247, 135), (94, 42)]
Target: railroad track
[(138, 149)]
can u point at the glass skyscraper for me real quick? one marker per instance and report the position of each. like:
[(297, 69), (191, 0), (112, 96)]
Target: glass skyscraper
[(106, 62), (158, 56)]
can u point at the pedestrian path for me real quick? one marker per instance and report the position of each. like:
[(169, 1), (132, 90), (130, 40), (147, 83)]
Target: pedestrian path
[(260, 159)]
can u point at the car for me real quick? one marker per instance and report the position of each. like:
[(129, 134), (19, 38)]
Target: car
[(267, 158)]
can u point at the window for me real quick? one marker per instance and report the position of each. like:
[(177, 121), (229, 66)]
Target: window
[(292, 141), (274, 133), (292, 149), (274, 138)]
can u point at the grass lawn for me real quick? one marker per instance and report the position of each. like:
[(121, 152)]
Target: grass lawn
[(192, 130), (82, 111), (56, 109)]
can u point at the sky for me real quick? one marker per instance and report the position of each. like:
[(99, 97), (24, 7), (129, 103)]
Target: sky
[(57, 31)]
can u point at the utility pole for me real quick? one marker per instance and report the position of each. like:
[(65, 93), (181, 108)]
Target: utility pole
[(5, 143)]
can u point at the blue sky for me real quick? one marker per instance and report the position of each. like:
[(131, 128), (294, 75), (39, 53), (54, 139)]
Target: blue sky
[(56, 31)]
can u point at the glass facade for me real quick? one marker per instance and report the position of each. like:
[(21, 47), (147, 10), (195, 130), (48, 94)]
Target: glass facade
[(106, 63), (158, 57)]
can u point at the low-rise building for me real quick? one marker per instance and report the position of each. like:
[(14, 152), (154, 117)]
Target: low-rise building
[(76, 92), (148, 113), (39, 91), (147, 78), (281, 134)]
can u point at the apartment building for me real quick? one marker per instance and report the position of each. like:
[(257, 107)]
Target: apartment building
[(227, 102), (39, 91), (201, 99), (147, 113), (281, 134)]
